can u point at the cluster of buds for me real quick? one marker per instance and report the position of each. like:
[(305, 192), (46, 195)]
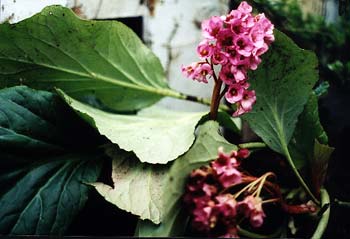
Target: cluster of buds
[(215, 210), (235, 42)]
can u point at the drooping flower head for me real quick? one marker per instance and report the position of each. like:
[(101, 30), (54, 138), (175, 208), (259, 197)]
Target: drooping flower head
[(208, 198), (236, 42)]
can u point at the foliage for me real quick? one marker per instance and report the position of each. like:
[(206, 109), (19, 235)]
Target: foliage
[(42, 173), (54, 144)]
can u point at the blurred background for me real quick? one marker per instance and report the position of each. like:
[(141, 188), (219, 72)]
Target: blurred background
[(171, 28)]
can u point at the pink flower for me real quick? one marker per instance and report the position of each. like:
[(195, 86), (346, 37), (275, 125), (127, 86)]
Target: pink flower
[(226, 75), (205, 49), (225, 39), (254, 62), (189, 70), (244, 45), (202, 71), (226, 205), (237, 59), (198, 71), (251, 207), (246, 104), (257, 35), (230, 176), (246, 206), (197, 179), (243, 153), (234, 21), (203, 220), (239, 72), (248, 100), (234, 93), (244, 7), (235, 42), (224, 161), (257, 218), (219, 57), (266, 26), (209, 190), (211, 27), (261, 50)]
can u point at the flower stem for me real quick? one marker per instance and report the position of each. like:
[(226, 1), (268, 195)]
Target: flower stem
[(215, 100), (252, 145), (296, 173), (196, 99), (322, 225)]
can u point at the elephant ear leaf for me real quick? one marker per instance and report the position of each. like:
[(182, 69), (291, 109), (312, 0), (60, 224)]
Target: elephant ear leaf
[(102, 60), (44, 162)]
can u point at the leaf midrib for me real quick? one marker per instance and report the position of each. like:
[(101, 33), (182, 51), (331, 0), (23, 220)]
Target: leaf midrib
[(93, 76)]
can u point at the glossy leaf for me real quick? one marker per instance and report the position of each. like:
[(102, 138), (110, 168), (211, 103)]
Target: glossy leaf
[(101, 59), (46, 155)]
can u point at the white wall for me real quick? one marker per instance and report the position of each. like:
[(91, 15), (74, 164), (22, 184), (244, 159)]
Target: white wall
[(17, 10)]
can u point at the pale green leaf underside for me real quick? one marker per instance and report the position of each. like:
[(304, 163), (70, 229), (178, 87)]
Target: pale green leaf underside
[(103, 59), (136, 187), (283, 83), (204, 150), (155, 135)]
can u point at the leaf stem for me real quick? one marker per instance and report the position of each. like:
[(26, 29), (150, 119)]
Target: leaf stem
[(196, 99), (253, 145), (300, 179), (322, 225)]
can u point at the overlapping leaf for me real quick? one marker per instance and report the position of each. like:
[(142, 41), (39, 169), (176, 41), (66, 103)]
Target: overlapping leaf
[(137, 187), (102, 59), (308, 129), (46, 153), (155, 135), (203, 151)]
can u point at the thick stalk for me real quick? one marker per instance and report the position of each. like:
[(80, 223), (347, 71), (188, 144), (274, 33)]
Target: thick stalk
[(322, 225), (300, 179), (215, 100)]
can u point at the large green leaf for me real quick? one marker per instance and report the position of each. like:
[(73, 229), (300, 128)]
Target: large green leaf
[(46, 154), (84, 58), (155, 135), (203, 151), (307, 130), (283, 83), (136, 187)]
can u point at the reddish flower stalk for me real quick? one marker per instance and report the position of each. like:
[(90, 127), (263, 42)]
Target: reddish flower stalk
[(235, 42)]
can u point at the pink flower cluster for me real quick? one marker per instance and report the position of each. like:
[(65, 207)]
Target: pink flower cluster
[(235, 42), (211, 205)]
